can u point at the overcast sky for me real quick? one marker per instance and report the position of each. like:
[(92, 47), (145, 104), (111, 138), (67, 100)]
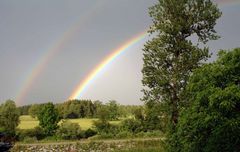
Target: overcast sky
[(83, 33)]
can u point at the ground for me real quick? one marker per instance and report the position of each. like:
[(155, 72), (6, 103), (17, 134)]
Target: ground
[(123, 145), (141, 144)]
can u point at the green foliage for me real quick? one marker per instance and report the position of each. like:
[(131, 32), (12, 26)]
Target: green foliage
[(212, 120), (69, 130), (36, 133), (139, 113), (110, 111), (34, 110), (113, 110), (83, 109), (104, 128), (23, 110), (132, 125), (148, 119), (79, 109), (170, 57), (103, 113), (48, 119), (9, 117), (155, 118), (89, 133)]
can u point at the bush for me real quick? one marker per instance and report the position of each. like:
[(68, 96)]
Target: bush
[(68, 130), (105, 129), (104, 135), (102, 126), (124, 134), (36, 133), (132, 125), (89, 133)]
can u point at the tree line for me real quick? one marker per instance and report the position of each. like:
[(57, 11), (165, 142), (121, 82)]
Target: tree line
[(83, 109)]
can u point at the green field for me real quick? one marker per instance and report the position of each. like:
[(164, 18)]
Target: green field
[(27, 122)]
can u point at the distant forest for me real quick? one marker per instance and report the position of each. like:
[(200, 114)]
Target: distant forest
[(84, 109)]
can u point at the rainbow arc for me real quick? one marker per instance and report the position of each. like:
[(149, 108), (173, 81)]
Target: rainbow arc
[(77, 93)]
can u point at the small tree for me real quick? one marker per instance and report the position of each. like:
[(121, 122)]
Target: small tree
[(9, 117), (34, 110), (103, 113), (113, 110), (48, 119)]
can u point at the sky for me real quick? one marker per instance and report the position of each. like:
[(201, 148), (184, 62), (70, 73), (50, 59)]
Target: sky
[(47, 48)]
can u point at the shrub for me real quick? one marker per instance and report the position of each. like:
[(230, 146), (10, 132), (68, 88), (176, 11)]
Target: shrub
[(68, 130), (104, 135), (132, 125), (124, 134), (89, 133), (37, 133), (102, 126), (105, 129)]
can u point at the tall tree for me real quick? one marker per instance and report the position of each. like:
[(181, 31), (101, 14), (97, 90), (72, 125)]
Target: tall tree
[(48, 119), (170, 56), (9, 117)]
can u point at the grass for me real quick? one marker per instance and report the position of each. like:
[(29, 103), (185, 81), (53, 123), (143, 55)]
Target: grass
[(27, 122)]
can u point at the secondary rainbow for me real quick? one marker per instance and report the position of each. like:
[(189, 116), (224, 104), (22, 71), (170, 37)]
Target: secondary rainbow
[(77, 93), (49, 53)]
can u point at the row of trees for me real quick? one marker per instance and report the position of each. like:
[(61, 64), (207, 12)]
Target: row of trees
[(49, 116), (83, 109)]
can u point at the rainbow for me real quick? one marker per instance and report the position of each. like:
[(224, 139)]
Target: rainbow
[(77, 93), (58, 45), (40, 65)]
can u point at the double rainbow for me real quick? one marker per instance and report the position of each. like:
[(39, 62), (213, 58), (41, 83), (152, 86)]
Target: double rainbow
[(56, 47)]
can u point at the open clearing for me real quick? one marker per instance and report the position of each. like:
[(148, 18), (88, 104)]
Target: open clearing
[(27, 122)]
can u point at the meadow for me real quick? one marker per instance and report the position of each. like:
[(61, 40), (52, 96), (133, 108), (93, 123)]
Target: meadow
[(27, 122)]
